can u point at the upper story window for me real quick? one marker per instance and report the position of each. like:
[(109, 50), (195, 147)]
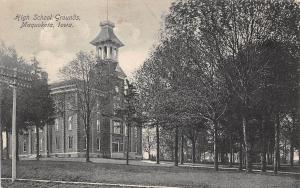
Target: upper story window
[(56, 124), (117, 90), (117, 127), (98, 125), (70, 122)]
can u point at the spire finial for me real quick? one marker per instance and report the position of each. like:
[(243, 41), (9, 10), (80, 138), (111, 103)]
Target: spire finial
[(106, 10)]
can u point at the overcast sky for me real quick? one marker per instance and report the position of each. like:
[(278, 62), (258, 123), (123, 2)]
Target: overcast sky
[(137, 26)]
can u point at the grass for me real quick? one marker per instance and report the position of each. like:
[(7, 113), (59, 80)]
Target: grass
[(144, 175)]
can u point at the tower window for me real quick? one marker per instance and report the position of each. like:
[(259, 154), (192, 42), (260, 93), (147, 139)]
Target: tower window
[(105, 52), (100, 52)]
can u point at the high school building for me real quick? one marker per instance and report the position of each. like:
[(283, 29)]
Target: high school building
[(108, 133)]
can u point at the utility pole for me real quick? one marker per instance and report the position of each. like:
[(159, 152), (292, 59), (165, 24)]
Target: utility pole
[(14, 129), (9, 76), (0, 133)]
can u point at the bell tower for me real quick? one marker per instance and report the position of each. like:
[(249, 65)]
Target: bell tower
[(106, 42)]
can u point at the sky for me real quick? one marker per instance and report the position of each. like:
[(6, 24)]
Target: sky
[(137, 26)]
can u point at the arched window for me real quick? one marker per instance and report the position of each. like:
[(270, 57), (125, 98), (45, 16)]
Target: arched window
[(105, 52)]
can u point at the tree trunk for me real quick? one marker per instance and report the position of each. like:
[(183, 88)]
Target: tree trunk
[(263, 146), (148, 146), (292, 154), (64, 131), (7, 145), (157, 144), (37, 143), (216, 164), (87, 131), (241, 155), (193, 151), (247, 146), (176, 147), (231, 151), (47, 142), (276, 147), (285, 152), (268, 152), (181, 149), (128, 144)]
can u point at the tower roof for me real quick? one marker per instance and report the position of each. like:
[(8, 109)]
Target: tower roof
[(107, 35)]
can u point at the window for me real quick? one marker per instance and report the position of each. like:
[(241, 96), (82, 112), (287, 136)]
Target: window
[(57, 142), (24, 146), (98, 125), (117, 89), (126, 129), (105, 52), (41, 144), (70, 122), (70, 138), (97, 104), (56, 124), (84, 143), (115, 147), (117, 127), (98, 144)]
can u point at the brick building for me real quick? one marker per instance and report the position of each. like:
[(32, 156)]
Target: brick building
[(108, 133)]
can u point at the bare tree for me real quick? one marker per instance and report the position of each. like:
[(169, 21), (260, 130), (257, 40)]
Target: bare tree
[(86, 73)]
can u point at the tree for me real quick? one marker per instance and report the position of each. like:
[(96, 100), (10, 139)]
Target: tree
[(39, 106), (211, 57), (34, 106), (129, 113), (89, 75)]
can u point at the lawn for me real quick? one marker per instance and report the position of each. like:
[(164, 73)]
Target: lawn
[(144, 175)]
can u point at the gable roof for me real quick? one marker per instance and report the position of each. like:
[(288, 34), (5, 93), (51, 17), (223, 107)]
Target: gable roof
[(120, 72)]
